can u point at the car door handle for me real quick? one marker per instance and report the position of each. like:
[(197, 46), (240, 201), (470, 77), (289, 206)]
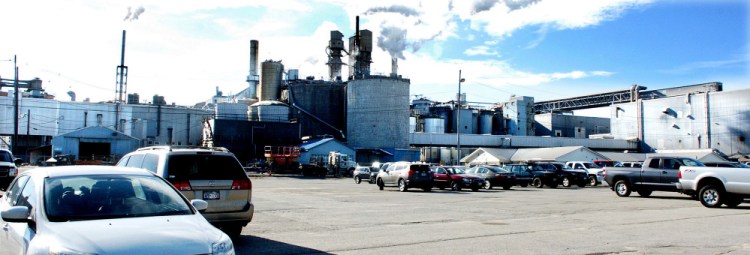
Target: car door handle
[(664, 172), (6, 226)]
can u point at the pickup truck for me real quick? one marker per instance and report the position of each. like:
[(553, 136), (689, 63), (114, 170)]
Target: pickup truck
[(594, 171), (657, 173), (716, 185)]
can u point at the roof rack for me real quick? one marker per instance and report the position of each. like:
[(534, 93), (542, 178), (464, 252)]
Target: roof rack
[(171, 147)]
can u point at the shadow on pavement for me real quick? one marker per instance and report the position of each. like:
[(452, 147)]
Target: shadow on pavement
[(258, 245)]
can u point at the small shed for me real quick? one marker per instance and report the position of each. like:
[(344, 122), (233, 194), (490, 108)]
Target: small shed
[(94, 143), (323, 147), (489, 156)]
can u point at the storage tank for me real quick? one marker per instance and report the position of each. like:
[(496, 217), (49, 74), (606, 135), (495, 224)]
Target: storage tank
[(443, 112), (377, 112), (485, 122), (498, 122), (270, 80), (271, 111), (412, 124), (468, 121), (434, 125)]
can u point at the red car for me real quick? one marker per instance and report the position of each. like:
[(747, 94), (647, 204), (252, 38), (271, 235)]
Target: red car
[(455, 178)]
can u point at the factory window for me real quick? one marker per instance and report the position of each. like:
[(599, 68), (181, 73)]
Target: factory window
[(99, 119)]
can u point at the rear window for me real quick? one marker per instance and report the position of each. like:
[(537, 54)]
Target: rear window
[(204, 167), (419, 168)]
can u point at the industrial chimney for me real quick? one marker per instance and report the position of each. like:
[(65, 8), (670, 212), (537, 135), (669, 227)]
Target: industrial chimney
[(394, 67), (252, 77), (335, 47)]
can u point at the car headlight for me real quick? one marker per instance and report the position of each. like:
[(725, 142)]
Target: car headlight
[(223, 246)]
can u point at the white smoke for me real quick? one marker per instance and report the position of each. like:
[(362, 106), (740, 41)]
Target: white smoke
[(134, 14)]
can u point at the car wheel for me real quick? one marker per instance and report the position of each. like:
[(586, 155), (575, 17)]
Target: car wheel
[(380, 184), (622, 188), (537, 182), (427, 189), (455, 186), (566, 182), (487, 184), (233, 231), (357, 180), (402, 185), (644, 193), (441, 187), (592, 180), (711, 196), (732, 201)]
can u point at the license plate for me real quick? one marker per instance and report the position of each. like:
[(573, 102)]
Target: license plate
[(210, 195), (423, 174)]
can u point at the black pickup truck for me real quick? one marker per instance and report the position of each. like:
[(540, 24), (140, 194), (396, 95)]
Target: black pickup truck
[(660, 173)]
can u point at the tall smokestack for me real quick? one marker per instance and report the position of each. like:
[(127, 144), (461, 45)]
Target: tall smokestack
[(394, 67), (252, 77), (335, 47)]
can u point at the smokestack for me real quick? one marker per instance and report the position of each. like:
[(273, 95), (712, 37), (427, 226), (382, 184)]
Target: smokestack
[(394, 67), (252, 77), (335, 47)]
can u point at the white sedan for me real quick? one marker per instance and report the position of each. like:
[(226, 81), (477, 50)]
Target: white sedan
[(103, 210)]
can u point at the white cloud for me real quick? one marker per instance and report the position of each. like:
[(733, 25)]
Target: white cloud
[(481, 50)]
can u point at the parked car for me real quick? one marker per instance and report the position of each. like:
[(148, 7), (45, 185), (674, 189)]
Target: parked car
[(715, 186), (406, 175), (211, 174), (594, 170), (569, 177), (365, 173), (456, 178), (103, 210), (726, 164), (660, 173), (544, 173), (494, 176), (606, 163), (522, 173), (8, 168)]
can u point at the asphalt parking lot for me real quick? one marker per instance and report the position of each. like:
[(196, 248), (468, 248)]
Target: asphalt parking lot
[(296, 215)]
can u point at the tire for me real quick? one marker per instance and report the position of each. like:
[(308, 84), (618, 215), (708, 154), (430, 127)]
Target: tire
[(566, 182), (506, 187), (592, 180), (380, 184), (711, 196), (441, 187), (644, 193), (357, 180), (622, 188), (732, 201), (233, 231), (537, 182), (455, 186), (402, 185), (427, 189), (487, 184)]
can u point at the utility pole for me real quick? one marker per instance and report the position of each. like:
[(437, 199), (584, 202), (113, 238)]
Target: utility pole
[(15, 107)]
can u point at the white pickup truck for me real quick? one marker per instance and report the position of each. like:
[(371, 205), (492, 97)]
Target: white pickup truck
[(594, 171), (715, 185)]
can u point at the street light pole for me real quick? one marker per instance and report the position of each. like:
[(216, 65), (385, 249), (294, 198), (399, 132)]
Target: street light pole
[(458, 119)]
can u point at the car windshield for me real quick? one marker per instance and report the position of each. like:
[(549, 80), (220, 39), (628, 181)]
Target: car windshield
[(690, 162), (76, 198), (498, 169), (5, 157), (456, 170)]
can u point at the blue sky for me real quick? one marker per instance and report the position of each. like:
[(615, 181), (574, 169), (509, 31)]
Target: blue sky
[(547, 49)]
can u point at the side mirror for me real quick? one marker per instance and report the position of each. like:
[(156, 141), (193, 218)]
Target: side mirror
[(16, 214), (199, 204), (18, 161)]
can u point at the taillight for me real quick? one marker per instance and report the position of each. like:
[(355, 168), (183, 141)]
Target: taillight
[(604, 172), (679, 174), (182, 185), (412, 172), (242, 184), (13, 171)]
